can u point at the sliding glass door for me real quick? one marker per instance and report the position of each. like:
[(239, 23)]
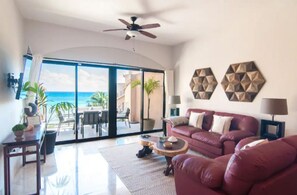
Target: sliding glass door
[(87, 101), (59, 82), (153, 101), (92, 102), (128, 101)]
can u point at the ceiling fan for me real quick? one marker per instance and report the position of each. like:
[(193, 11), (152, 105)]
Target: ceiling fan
[(133, 29)]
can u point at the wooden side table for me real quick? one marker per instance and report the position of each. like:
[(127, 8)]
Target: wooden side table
[(14, 148), (279, 129)]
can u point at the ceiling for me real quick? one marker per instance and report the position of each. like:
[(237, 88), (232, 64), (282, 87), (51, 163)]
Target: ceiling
[(180, 20)]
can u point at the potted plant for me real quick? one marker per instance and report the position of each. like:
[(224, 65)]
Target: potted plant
[(149, 87), (38, 92), (50, 136), (59, 107), (18, 131)]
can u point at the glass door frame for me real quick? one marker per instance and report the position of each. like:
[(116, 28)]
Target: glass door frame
[(112, 93), (164, 100)]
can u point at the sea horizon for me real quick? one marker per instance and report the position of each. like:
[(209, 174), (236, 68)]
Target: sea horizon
[(54, 97)]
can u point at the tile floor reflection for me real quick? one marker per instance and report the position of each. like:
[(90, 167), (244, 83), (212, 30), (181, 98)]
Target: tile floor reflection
[(74, 169)]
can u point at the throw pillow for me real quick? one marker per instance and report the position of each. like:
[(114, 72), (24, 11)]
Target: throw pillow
[(177, 120), (196, 119), (227, 123), (255, 143), (221, 124)]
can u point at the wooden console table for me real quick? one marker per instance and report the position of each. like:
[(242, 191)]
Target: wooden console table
[(13, 148)]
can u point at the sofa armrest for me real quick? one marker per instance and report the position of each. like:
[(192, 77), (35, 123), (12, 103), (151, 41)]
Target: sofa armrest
[(235, 135), (245, 141), (207, 172)]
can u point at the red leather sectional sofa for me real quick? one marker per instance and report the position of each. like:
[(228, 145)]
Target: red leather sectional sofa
[(213, 144), (266, 169)]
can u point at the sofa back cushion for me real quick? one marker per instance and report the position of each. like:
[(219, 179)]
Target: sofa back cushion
[(292, 141), (241, 122), (207, 119), (250, 166)]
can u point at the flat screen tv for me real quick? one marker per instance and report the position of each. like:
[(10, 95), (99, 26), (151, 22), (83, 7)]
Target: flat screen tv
[(19, 86), (24, 77)]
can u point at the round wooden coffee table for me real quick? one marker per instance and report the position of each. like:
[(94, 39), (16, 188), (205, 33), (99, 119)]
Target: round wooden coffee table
[(152, 143)]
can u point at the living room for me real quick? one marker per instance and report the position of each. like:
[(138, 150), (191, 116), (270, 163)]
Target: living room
[(193, 35)]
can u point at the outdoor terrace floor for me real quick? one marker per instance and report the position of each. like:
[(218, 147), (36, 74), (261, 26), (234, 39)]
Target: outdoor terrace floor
[(67, 133)]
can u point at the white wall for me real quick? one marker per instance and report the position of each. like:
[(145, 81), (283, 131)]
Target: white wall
[(11, 61), (69, 43), (246, 31)]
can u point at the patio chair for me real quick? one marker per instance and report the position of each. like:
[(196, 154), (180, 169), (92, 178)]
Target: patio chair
[(63, 120), (125, 116), (90, 118), (104, 118)]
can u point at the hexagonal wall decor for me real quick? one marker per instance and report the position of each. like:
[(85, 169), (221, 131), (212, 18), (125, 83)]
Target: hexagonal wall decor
[(242, 82), (203, 83)]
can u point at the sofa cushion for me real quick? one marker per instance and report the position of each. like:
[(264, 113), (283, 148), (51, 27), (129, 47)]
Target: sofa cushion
[(177, 120), (254, 143), (208, 137), (196, 119), (185, 130), (291, 140), (242, 122), (210, 173), (207, 119), (245, 141), (247, 167), (223, 159), (221, 124)]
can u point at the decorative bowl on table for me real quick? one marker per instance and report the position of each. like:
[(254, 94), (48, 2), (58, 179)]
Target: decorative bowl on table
[(172, 139), (167, 145)]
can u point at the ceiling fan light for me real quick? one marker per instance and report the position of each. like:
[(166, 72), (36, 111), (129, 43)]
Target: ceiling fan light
[(132, 33)]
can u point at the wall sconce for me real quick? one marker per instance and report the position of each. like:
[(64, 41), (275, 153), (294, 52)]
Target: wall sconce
[(175, 99), (11, 81)]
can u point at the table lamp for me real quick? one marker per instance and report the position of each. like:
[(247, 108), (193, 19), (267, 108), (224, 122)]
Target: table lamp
[(274, 106), (174, 100)]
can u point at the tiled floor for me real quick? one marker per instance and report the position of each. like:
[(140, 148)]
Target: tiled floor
[(74, 169), (67, 133)]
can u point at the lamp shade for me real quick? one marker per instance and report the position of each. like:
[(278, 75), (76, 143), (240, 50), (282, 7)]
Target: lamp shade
[(274, 106), (174, 99)]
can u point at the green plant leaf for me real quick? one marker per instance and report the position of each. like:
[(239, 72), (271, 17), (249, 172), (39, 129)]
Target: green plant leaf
[(149, 87), (99, 99)]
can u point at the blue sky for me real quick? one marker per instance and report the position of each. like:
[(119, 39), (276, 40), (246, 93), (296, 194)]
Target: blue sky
[(90, 79)]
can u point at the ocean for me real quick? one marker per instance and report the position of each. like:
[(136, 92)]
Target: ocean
[(54, 97)]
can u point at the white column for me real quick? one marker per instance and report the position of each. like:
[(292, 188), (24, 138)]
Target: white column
[(169, 88)]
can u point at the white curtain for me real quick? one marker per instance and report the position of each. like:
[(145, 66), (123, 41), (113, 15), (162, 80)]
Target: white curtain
[(35, 68), (34, 73), (169, 88)]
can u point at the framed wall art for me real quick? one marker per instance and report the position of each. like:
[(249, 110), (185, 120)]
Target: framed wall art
[(242, 82), (203, 83)]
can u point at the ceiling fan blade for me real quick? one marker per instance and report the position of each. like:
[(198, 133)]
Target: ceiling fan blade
[(127, 37), (114, 29), (125, 22), (146, 26), (148, 34)]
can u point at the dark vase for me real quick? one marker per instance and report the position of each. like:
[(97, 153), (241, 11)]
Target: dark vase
[(50, 139)]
